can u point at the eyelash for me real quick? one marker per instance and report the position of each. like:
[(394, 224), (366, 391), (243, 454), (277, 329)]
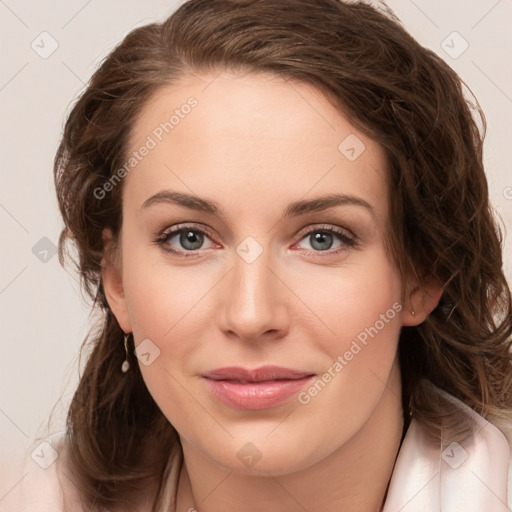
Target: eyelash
[(349, 240)]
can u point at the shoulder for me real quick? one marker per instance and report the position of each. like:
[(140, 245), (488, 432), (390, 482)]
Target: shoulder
[(466, 475), (42, 481)]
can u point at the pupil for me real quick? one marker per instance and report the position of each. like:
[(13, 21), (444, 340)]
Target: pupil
[(320, 238), (191, 240)]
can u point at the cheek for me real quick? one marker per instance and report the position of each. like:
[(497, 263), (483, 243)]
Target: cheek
[(162, 302), (361, 306), (160, 295), (359, 300)]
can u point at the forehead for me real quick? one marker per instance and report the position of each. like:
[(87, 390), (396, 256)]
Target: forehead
[(252, 133)]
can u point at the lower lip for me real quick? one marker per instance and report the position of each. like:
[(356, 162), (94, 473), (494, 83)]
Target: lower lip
[(256, 395)]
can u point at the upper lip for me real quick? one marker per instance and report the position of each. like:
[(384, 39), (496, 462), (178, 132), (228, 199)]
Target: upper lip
[(264, 373)]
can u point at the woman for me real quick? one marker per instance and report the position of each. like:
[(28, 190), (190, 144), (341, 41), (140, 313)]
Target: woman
[(281, 212)]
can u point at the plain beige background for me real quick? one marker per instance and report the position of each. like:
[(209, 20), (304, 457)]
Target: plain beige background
[(43, 318)]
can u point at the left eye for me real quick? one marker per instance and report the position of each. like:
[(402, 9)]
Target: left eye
[(322, 239)]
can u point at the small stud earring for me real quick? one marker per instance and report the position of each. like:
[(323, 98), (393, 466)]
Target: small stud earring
[(126, 364), (413, 312)]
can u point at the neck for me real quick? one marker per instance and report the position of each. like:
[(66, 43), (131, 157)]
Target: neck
[(353, 477)]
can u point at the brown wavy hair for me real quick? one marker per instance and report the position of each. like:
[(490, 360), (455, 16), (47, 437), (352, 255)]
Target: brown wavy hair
[(401, 95)]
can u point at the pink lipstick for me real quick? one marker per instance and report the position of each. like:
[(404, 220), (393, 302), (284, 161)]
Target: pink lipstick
[(260, 388)]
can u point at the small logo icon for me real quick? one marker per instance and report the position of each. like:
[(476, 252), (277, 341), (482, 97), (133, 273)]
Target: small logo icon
[(351, 147), (44, 250), (454, 45), (44, 45), (147, 352), (249, 454), (249, 249), (454, 455), (44, 455)]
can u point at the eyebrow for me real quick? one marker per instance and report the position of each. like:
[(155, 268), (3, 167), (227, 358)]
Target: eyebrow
[(295, 208)]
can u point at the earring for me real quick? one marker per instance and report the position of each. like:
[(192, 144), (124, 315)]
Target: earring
[(413, 312), (126, 364)]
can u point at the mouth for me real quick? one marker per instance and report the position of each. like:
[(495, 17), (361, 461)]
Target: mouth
[(257, 389)]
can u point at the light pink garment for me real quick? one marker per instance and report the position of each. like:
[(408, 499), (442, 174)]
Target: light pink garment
[(461, 478), (466, 477)]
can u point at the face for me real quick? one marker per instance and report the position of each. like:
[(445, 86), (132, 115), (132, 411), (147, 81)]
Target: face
[(261, 312)]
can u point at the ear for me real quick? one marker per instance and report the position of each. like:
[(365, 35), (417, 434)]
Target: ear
[(112, 280), (422, 295)]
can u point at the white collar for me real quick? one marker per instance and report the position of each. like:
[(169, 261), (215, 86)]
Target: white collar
[(465, 477)]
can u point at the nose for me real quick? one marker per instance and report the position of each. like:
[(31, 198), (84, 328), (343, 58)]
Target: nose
[(254, 304)]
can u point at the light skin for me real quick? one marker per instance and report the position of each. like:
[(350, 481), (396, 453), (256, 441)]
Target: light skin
[(254, 144)]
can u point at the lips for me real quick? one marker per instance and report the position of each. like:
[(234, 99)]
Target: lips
[(256, 389)]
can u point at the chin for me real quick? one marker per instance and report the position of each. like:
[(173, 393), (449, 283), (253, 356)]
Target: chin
[(260, 455)]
